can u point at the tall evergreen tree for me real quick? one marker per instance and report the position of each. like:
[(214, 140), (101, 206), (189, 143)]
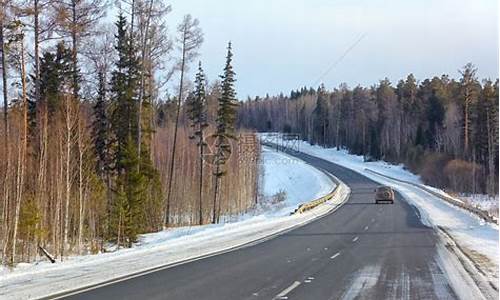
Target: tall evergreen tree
[(197, 110), (469, 94), (100, 128), (54, 71), (226, 117), (130, 181), (321, 118)]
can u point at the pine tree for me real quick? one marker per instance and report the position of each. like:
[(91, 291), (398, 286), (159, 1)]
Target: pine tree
[(197, 112), (226, 116), (469, 94)]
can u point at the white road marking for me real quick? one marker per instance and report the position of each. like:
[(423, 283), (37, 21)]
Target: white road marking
[(307, 281), (355, 239), (366, 228), (310, 278), (283, 293), (335, 255)]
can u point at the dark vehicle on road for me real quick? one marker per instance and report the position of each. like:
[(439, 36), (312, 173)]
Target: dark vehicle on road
[(384, 194)]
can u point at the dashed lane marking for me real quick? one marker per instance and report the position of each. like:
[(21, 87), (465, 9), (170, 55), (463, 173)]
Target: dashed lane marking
[(285, 292), (355, 239), (335, 255)]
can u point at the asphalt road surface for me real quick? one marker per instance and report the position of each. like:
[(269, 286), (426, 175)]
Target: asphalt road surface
[(361, 251)]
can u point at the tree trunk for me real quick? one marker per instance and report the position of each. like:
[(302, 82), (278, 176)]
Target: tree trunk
[(21, 155), (466, 124), (491, 178), (172, 155), (36, 29), (42, 165), (201, 145), (216, 195), (80, 188), (67, 174), (6, 204)]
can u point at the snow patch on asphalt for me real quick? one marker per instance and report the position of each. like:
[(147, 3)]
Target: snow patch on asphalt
[(363, 281), (171, 246)]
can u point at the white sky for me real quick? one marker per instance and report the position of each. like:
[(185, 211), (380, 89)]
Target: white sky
[(281, 45)]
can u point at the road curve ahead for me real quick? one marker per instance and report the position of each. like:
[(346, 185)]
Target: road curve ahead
[(362, 251)]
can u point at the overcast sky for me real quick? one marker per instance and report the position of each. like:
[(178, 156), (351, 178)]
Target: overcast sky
[(281, 45)]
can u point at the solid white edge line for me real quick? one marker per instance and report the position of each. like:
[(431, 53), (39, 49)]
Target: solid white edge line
[(287, 290)]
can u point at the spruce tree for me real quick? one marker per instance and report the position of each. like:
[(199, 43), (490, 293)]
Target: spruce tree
[(197, 113), (137, 183), (130, 182), (54, 70), (226, 116), (100, 128)]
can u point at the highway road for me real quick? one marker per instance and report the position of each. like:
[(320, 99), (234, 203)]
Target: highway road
[(360, 251)]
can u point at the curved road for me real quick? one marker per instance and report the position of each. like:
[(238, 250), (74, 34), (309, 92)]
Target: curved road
[(361, 251)]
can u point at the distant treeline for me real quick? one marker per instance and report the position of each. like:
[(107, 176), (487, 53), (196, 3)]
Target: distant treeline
[(444, 129)]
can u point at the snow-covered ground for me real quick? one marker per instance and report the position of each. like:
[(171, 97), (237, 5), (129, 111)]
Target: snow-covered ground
[(300, 182), (477, 238), (484, 202)]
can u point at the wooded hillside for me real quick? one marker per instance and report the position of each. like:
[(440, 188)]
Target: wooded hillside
[(444, 129)]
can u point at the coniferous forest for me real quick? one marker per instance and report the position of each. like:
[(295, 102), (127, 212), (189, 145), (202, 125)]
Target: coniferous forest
[(444, 129), (106, 134)]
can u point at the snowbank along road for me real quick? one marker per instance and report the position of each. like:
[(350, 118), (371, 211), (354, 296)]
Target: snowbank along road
[(362, 251)]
